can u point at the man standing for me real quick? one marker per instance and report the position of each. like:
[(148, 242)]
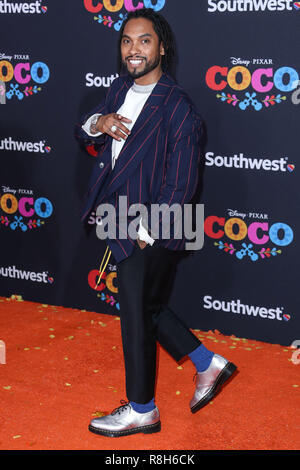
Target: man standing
[(149, 136)]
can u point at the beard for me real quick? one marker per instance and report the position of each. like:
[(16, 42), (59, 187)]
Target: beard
[(148, 67)]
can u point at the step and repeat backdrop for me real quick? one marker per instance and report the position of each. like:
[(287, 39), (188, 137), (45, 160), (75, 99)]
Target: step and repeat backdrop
[(239, 61)]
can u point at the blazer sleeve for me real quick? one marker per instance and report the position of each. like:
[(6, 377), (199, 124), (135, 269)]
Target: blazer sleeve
[(182, 165)]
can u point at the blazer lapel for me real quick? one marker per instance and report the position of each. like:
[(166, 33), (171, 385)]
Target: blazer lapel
[(148, 121)]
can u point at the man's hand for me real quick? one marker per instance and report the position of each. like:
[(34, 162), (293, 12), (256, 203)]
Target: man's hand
[(111, 124), (141, 244)]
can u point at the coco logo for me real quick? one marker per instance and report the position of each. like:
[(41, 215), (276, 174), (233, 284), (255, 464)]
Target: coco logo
[(21, 211), (266, 86), (105, 286), (23, 79), (105, 8), (235, 231)]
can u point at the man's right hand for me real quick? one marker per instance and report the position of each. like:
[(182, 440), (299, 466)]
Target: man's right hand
[(111, 124)]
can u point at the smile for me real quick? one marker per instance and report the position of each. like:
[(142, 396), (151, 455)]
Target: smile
[(135, 61)]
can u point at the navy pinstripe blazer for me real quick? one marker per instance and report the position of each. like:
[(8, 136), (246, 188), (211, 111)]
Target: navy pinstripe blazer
[(158, 162)]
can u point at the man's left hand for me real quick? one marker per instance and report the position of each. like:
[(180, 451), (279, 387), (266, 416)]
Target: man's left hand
[(141, 244)]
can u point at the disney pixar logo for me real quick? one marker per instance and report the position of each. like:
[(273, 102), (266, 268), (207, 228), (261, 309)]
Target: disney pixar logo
[(27, 8), (255, 84), (21, 78), (254, 239), (112, 13)]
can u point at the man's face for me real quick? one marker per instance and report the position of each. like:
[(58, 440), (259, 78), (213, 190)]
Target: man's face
[(140, 49)]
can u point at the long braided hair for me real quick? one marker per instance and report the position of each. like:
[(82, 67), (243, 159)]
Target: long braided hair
[(163, 31)]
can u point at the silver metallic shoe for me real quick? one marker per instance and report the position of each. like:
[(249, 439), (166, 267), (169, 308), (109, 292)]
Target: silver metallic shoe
[(124, 421), (209, 382)]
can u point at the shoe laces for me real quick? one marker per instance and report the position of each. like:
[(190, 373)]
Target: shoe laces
[(120, 409)]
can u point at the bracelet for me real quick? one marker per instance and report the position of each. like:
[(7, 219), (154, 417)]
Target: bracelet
[(93, 128)]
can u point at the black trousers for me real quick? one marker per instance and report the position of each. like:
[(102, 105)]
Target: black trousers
[(144, 285)]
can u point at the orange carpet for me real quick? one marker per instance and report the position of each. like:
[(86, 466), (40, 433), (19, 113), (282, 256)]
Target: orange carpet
[(65, 366)]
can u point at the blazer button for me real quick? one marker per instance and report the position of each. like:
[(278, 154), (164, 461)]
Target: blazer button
[(101, 165)]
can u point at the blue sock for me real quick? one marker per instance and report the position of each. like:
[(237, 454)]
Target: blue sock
[(201, 357), (143, 408)]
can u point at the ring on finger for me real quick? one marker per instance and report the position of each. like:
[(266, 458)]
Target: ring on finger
[(113, 128)]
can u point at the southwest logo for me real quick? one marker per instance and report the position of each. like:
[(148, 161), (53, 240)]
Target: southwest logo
[(27, 8), (14, 273), (243, 162), (242, 309), (252, 6), (8, 144)]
